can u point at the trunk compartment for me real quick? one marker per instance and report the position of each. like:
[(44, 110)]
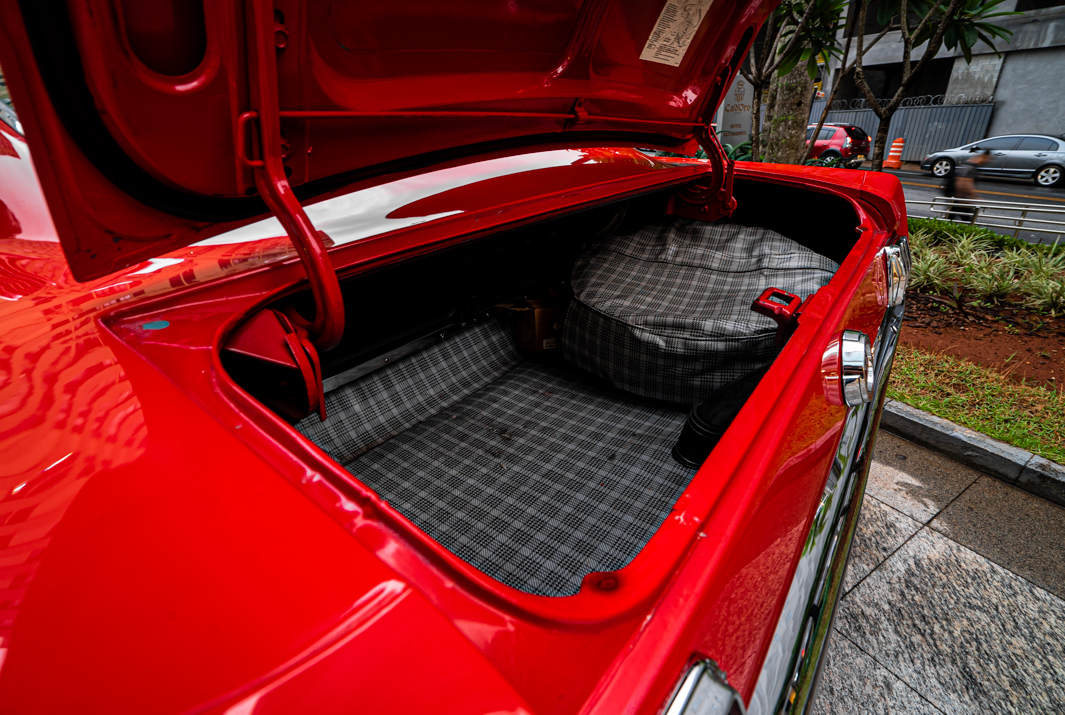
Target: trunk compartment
[(538, 473)]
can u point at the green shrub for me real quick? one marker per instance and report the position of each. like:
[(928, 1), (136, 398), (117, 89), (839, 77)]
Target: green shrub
[(1045, 294), (739, 152), (940, 231), (931, 270), (920, 240), (1041, 265), (991, 279), (969, 249), (1017, 257), (830, 162), (990, 266)]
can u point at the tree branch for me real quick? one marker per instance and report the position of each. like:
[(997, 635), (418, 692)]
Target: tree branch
[(929, 52), (927, 19), (907, 38), (846, 69), (876, 39), (859, 72), (772, 36), (794, 36), (843, 70)]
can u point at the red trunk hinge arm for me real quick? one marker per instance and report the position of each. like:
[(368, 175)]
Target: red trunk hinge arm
[(709, 199), (721, 180), (269, 171)]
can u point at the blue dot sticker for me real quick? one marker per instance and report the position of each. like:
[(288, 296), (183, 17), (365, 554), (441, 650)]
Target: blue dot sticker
[(156, 325)]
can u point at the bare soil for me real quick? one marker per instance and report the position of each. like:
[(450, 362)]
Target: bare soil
[(1027, 346)]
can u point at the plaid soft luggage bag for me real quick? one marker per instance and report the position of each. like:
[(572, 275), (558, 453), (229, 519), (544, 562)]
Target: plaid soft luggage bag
[(665, 312)]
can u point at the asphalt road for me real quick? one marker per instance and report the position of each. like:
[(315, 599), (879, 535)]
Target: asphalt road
[(922, 186)]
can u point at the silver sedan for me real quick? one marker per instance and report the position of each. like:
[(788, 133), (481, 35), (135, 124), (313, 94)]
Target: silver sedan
[(1019, 156)]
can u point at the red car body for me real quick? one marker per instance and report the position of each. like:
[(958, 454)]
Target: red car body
[(842, 140), (168, 544)]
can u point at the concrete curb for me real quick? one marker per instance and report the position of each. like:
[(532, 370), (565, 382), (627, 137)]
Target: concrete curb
[(1018, 467)]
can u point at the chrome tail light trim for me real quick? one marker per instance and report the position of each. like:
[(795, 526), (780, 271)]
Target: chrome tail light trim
[(705, 691), (857, 375), (897, 263)]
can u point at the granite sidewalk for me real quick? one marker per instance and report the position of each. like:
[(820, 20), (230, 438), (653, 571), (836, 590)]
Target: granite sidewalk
[(954, 598), (1013, 465)]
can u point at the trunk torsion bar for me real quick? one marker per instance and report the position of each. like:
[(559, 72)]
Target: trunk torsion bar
[(269, 171)]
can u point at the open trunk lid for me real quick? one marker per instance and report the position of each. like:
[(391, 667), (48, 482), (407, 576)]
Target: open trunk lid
[(149, 121)]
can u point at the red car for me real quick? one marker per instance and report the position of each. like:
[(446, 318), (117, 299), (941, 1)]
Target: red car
[(840, 141), (355, 361)]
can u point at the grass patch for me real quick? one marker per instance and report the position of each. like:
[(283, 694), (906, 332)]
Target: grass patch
[(981, 399)]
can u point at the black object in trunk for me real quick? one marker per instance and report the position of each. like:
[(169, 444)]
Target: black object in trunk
[(707, 422)]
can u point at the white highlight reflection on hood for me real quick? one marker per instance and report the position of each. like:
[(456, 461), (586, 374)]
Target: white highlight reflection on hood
[(157, 264), (361, 214)]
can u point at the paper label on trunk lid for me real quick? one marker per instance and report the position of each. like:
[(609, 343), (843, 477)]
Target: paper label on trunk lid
[(674, 31)]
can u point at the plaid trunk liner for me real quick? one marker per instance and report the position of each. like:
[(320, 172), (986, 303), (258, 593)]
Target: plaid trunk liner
[(538, 477)]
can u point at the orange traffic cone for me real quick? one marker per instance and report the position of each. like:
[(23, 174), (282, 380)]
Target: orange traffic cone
[(894, 157)]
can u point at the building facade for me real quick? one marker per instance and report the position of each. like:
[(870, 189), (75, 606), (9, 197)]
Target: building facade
[(1024, 84)]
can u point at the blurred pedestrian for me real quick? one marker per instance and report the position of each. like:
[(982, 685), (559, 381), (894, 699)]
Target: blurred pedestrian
[(961, 184)]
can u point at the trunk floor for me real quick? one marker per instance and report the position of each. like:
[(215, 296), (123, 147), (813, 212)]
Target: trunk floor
[(537, 479)]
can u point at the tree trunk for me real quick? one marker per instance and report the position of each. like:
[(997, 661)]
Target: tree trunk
[(880, 142), (787, 142), (756, 121), (810, 145), (770, 112)]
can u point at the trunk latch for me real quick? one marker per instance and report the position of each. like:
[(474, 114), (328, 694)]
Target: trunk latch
[(781, 306)]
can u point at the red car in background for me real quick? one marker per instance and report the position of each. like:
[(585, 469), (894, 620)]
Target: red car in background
[(840, 141), (355, 360)]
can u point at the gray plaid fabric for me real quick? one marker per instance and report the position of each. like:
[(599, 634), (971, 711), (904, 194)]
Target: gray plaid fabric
[(539, 479), (665, 312), (537, 476), (384, 403)]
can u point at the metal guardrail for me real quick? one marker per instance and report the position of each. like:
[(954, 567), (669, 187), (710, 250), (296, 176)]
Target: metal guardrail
[(1008, 215)]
